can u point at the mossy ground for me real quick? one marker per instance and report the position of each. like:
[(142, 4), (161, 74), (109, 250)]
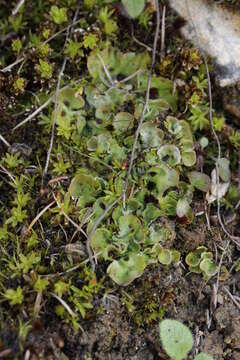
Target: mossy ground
[(52, 304)]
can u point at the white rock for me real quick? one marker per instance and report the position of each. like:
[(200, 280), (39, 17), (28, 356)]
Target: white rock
[(218, 34)]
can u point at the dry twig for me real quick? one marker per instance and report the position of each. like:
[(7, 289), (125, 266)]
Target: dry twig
[(41, 108), (17, 7), (9, 67), (78, 227), (232, 297), (148, 48), (69, 31), (145, 104), (64, 304), (54, 119), (35, 113), (8, 173), (4, 141), (39, 215), (162, 51)]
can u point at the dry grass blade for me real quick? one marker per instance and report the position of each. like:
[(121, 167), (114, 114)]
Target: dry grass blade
[(9, 67), (78, 227), (235, 301), (64, 304), (156, 36), (38, 216), (56, 99), (162, 51), (17, 7), (35, 113), (54, 118), (4, 141)]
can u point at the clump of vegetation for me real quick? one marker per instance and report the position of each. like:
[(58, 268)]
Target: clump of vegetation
[(74, 232)]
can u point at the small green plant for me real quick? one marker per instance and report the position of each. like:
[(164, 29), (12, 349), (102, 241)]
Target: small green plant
[(73, 49), (235, 138), (177, 340), (144, 18), (12, 160), (58, 15), (218, 123), (45, 69), (109, 25), (198, 118), (17, 45), (14, 297), (19, 85), (90, 41), (201, 261)]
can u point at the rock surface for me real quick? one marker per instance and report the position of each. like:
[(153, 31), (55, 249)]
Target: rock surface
[(216, 30)]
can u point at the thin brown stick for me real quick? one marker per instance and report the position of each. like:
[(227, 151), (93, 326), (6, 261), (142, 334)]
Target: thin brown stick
[(67, 307), (163, 26), (106, 70), (60, 32), (4, 141), (35, 113), (9, 67), (148, 48), (94, 228), (145, 104), (38, 216), (8, 173), (232, 298), (78, 227), (41, 108), (90, 157), (54, 118), (86, 217), (238, 169), (56, 100), (216, 285), (84, 262), (17, 7)]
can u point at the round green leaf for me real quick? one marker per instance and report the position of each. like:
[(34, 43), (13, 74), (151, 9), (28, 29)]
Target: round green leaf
[(200, 181), (193, 259), (134, 7), (163, 177), (123, 121), (203, 356), (129, 225), (182, 207), (189, 158), (92, 143), (173, 125), (208, 267), (165, 257), (203, 142), (99, 241), (150, 135), (169, 154), (123, 272), (176, 255), (176, 339), (224, 170), (81, 184), (71, 99)]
